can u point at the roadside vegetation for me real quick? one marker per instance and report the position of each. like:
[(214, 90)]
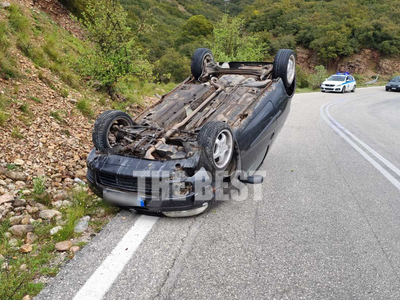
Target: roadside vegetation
[(128, 54), (26, 261)]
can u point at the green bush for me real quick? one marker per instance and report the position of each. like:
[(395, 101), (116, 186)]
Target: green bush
[(172, 67), (115, 54), (303, 78), (318, 77)]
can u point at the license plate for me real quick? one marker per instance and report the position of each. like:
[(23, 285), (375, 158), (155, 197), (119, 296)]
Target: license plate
[(122, 198)]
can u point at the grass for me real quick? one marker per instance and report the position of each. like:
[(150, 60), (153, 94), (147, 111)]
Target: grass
[(39, 185), (57, 115), (3, 118), (16, 134), (15, 283), (64, 93), (25, 108), (36, 99), (85, 107)]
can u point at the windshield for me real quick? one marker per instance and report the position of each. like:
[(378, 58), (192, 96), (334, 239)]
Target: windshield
[(396, 79), (337, 78)]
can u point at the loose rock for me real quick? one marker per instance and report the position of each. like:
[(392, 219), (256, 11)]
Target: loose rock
[(16, 220), (13, 242), (31, 238), (14, 175), (20, 230), (5, 5), (26, 248), (63, 246), (74, 249), (23, 267), (6, 198), (49, 214), (54, 230), (19, 162), (19, 203), (82, 225)]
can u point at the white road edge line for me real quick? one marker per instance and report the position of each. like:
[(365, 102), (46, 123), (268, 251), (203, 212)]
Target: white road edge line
[(102, 279), (357, 148), (372, 151)]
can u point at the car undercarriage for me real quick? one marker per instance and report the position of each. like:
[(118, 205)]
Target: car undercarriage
[(215, 127)]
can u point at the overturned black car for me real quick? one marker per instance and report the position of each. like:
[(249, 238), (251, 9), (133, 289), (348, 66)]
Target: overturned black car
[(216, 126)]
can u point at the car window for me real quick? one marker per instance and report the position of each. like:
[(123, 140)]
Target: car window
[(351, 78), (396, 79), (337, 78)]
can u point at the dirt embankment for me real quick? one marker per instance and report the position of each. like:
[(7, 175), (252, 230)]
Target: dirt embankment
[(368, 62)]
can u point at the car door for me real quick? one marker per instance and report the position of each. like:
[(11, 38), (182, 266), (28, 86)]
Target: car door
[(353, 82), (256, 137)]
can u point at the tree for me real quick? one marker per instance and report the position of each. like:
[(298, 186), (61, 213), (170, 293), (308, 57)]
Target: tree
[(232, 43), (116, 55)]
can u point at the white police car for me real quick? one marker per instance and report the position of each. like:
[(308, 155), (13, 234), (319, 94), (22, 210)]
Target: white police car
[(340, 82)]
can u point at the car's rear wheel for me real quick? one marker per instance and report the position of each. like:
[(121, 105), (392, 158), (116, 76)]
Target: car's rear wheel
[(285, 67), (201, 57), (105, 130), (354, 89), (217, 141)]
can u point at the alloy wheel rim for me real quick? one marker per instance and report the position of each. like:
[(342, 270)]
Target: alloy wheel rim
[(223, 149), (291, 69)]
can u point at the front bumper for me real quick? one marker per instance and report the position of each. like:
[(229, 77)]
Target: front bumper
[(151, 181), (331, 88), (393, 88)]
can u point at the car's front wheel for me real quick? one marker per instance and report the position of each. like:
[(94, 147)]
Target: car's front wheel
[(344, 90), (106, 127), (217, 141)]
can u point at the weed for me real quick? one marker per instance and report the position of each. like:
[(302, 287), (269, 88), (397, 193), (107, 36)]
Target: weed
[(3, 118), (24, 108), (66, 132), (16, 133), (85, 107), (64, 93), (26, 119), (36, 99), (39, 185), (74, 213), (17, 20), (11, 167), (57, 115)]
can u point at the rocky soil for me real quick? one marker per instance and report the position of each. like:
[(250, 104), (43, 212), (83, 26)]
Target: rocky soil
[(368, 62)]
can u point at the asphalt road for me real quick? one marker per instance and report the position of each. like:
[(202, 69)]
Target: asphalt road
[(326, 226)]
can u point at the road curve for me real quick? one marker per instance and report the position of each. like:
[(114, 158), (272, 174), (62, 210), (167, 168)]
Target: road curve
[(325, 224)]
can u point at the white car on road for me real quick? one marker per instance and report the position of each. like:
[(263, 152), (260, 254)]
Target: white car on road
[(340, 82)]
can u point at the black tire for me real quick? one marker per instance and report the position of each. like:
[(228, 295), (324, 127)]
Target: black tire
[(354, 89), (198, 58), (344, 90), (207, 139), (387, 90), (280, 67), (103, 125)]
